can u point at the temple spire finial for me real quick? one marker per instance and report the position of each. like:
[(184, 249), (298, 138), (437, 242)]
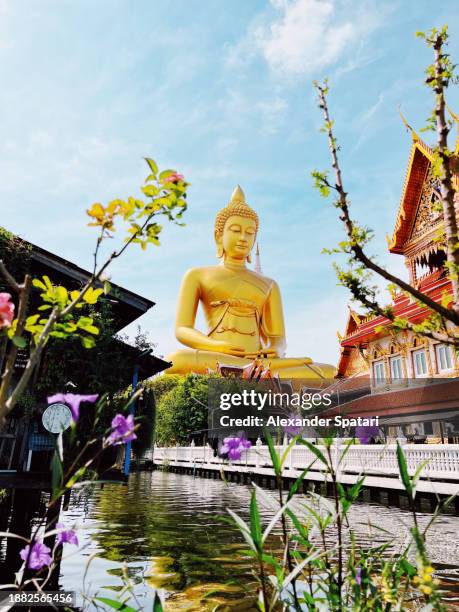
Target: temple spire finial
[(456, 119), (414, 136), (257, 264)]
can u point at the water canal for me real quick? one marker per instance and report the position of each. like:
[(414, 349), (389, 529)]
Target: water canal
[(169, 530)]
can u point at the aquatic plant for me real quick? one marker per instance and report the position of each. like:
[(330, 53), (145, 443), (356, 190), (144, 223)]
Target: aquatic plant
[(313, 572)]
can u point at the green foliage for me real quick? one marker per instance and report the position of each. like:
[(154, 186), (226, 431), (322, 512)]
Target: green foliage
[(181, 407), (167, 197), (321, 182), (368, 579)]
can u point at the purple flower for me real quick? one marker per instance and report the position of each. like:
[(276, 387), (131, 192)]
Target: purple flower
[(38, 557), (234, 447), (366, 433), (122, 430), (73, 401), (66, 536), (292, 430), (358, 576)]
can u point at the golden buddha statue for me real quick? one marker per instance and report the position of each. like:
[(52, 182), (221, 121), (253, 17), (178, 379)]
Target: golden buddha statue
[(243, 308)]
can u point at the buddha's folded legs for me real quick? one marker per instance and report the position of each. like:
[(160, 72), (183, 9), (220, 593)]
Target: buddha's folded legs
[(200, 362)]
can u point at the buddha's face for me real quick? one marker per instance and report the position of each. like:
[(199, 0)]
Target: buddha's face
[(238, 237)]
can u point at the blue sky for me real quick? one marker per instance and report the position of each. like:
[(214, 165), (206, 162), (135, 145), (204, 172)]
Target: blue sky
[(221, 91)]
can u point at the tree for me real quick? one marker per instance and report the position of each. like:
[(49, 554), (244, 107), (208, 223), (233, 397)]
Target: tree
[(62, 313), (443, 318), (181, 407)]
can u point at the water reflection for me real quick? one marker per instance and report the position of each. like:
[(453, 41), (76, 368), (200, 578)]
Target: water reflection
[(172, 532)]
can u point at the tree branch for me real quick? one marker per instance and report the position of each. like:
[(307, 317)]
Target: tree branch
[(446, 182), (9, 278), (356, 249), (11, 358), (34, 357)]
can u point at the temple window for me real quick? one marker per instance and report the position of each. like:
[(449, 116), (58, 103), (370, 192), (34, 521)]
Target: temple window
[(419, 363), (379, 375), (396, 368), (444, 360)]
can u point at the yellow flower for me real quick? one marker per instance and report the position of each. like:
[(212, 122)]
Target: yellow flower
[(427, 577), (427, 590)]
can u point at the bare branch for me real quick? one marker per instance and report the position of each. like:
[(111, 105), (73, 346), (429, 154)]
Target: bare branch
[(446, 181), (11, 359), (9, 278), (34, 358)]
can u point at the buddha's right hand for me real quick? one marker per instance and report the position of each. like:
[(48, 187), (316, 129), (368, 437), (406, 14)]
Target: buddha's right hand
[(221, 346)]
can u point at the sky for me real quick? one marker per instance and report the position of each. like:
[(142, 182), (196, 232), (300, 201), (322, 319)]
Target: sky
[(221, 91)]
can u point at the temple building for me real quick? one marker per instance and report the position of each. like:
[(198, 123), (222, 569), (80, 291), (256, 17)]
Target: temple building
[(392, 362)]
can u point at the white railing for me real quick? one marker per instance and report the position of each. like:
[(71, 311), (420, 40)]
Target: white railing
[(441, 461)]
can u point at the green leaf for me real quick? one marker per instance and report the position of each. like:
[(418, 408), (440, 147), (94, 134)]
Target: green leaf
[(296, 485), (153, 165), (62, 294), (157, 605), (57, 472), (150, 190), (408, 568), (107, 287), (116, 605), (92, 295), (48, 283), (19, 341), (243, 528), (273, 453), (255, 521), (317, 452), (37, 283), (403, 469), (88, 342)]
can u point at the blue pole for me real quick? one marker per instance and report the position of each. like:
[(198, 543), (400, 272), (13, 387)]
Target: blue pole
[(127, 455)]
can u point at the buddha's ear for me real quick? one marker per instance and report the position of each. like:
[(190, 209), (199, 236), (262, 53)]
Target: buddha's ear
[(219, 242)]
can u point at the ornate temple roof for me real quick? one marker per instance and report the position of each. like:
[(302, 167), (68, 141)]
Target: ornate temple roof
[(419, 163), (415, 237)]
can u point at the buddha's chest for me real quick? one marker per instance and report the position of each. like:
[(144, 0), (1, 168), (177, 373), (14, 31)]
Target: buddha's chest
[(240, 290)]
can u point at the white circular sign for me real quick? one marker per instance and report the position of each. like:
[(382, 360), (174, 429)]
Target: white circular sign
[(57, 418)]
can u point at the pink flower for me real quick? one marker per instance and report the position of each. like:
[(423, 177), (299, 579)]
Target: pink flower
[(6, 310), (38, 557), (175, 177), (122, 430), (66, 536)]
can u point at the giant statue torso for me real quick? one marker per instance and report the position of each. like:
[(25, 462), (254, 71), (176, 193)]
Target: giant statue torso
[(236, 306)]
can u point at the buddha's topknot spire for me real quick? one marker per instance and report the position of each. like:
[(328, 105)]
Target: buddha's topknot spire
[(238, 196), (236, 206)]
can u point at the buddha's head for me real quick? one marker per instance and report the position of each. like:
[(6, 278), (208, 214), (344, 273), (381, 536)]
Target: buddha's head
[(236, 228)]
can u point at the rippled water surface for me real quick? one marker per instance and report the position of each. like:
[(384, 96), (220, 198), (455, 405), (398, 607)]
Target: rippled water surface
[(170, 532)]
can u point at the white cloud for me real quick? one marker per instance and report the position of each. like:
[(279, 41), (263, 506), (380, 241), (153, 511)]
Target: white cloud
[(306, 37)]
